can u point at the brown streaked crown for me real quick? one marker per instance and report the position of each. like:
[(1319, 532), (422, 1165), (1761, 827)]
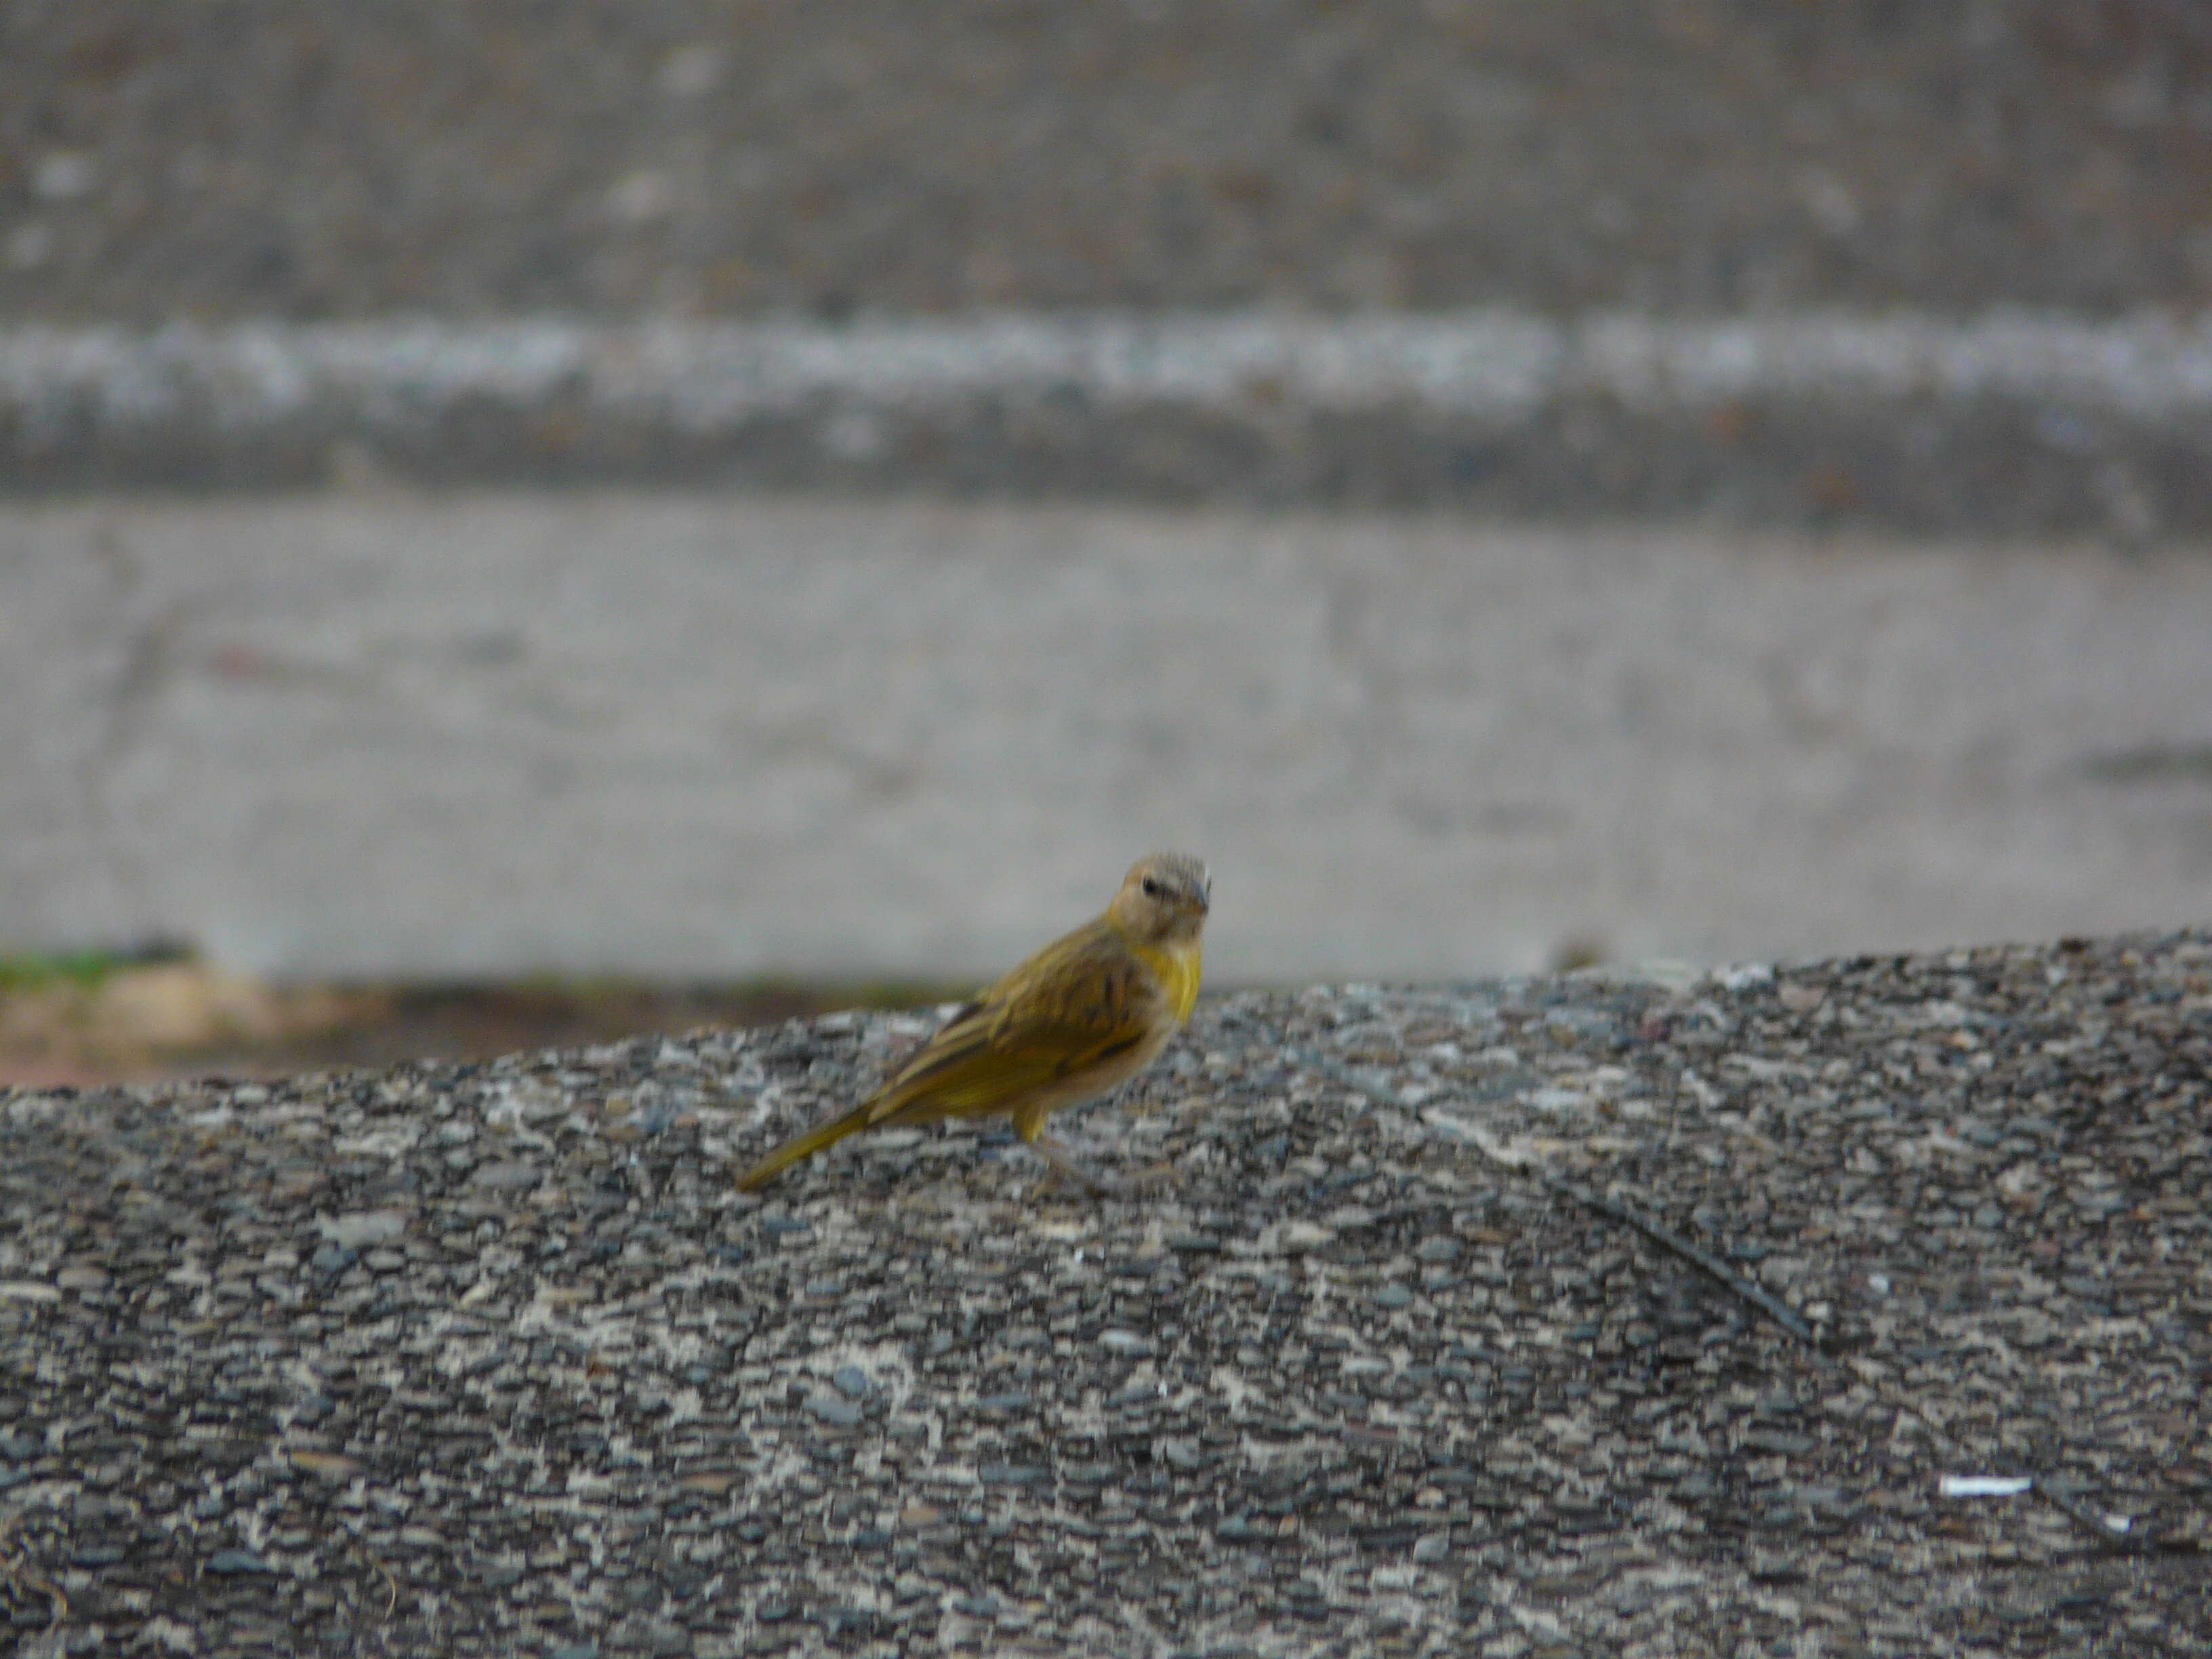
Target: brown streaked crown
[(1164, 899)]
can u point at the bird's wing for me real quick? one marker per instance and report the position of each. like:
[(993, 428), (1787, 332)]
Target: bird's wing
[(1081, 1001)]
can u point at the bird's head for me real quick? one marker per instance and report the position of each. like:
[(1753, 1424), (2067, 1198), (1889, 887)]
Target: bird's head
[(1163, 900)]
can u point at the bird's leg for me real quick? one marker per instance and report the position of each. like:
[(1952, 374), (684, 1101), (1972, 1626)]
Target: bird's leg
[(1029, 1124), (1063, 1164), (1136, 1103)]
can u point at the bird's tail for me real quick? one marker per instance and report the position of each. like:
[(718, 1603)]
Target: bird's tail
[(804, 1145)]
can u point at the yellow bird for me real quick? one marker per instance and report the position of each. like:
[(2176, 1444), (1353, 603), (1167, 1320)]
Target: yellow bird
[(1089, 1011)]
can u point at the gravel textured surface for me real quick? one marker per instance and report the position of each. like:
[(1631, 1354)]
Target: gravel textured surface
[(273, 158), (491, 1358)]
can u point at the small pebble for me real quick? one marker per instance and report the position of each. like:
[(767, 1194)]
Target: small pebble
[(829, 1408)]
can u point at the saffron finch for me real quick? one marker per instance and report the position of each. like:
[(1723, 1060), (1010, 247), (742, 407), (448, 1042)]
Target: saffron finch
[(1089, 1011)]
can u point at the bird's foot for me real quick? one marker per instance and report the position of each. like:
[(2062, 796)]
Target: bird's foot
[(1100, 1184), (1064, 1168), (1153, 1176)]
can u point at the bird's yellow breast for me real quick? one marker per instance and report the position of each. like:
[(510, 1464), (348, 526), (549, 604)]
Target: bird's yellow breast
[(1177, 967)]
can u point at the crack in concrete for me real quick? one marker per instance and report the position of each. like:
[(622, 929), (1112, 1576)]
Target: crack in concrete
[(149, 661)]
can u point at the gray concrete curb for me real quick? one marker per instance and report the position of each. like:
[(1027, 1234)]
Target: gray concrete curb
[(688, 734), (2011, 420)]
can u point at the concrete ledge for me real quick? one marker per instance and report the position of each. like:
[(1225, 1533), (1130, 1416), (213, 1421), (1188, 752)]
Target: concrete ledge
[(1406, 1353), (2007, 420)]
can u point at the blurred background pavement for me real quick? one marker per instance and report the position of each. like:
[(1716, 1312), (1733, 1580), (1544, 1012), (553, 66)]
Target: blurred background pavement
[(765, 502)]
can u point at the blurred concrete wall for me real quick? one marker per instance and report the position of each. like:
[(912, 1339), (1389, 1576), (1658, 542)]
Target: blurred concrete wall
[(1505, 481), (386, 734), (320, 158)]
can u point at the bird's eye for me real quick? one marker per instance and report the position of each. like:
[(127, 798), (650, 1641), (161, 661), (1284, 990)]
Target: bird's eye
[(1151, 888)]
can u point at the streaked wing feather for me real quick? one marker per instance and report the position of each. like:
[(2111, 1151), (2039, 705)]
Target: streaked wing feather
[(1079, 1002)]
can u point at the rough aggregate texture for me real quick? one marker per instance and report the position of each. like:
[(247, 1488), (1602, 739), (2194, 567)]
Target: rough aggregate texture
[(491, 1358)]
